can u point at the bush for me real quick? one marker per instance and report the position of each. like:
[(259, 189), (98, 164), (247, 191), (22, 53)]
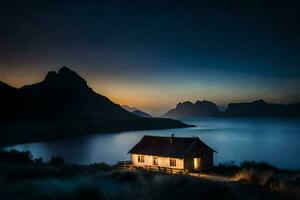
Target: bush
[(227, 168), (38, 160), (288, 185), (56, 161), (16, 157), (258, 165)]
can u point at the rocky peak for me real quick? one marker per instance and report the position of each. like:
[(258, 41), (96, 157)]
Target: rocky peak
[(260, 101), (184, 104), (63, 81)]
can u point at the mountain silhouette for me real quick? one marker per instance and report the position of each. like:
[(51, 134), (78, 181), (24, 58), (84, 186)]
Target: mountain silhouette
[(63, 105), (136, 111), (197, 109), (128, 108), (260, 108), (66, 95), (141, 114), (9, 99)]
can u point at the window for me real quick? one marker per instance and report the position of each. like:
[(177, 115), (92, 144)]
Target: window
[(140, 158), (155, 161), (173, 162)]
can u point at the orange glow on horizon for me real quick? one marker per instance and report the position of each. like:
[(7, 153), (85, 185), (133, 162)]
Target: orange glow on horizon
[(150, 95)]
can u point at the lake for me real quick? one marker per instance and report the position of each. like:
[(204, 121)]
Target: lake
[(276, 141)]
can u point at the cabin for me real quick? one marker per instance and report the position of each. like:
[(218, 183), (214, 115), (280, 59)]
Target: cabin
[(177, 153)]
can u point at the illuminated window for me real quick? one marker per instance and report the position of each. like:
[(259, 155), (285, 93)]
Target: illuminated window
[(141, 159), (155, 161), (173, 162)]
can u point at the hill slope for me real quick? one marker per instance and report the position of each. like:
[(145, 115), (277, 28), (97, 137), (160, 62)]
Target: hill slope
[(128, 108), (260, 108), (62, 106), (141, 114)]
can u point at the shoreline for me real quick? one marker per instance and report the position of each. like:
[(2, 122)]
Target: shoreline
[(46, 136)]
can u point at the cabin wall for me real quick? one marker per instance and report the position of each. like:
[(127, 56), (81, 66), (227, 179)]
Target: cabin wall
[(162, 161), (206, 160), (189, 163)]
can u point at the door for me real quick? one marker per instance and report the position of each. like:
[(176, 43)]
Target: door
[(197, 163), (155, 161)]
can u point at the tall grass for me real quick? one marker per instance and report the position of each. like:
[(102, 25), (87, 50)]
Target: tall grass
[(25, 178), (118, 185), (268, 176), (79, 188), (258, 165)]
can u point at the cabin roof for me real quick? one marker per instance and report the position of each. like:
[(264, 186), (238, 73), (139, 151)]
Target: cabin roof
[(177, 147)]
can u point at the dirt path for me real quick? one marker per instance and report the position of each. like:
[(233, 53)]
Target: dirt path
[(213, 177)]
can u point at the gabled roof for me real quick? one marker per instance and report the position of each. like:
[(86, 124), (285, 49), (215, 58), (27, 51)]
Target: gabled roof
[(177, 147)]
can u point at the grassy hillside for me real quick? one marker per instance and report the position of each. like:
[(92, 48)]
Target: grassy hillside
[(21, 177)]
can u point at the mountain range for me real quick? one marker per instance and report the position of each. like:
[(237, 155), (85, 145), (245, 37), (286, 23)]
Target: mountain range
[(197, 109), (129, 108), (142, 114), (136, 111), (258, 108), (61, 106)]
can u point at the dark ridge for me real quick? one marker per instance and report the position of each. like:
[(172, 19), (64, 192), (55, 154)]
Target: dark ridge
[(260, 108), (61, 106), (142, 114), (198, 109)]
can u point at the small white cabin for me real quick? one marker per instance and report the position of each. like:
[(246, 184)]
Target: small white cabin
[(180, 153)]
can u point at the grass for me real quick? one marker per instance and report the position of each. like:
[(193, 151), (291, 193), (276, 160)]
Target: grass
[(43, 181), (113, 184), (32, 180), (285, 184), (262, 174)]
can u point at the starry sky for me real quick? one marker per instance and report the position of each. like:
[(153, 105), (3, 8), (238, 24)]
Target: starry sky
[(153, 54)]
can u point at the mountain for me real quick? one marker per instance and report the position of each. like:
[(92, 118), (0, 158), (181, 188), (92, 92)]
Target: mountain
[(128, 108), (8, 96), (61, 106), (136, 111), (142, 114), (260, 108), (198, 109), (65, 95)]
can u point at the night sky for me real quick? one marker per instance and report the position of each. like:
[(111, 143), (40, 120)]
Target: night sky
[(151, 55)]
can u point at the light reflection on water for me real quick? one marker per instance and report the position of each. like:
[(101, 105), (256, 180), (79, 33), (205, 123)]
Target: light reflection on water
[(276, 141)]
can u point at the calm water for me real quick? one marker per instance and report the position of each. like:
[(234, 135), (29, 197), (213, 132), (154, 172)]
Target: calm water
[(276, 141)]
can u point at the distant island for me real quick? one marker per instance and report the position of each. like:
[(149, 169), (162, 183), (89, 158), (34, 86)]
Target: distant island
[(63, 106), (258, 108)]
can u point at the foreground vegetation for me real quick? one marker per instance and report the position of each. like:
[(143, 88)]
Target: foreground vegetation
[(22, 177)]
